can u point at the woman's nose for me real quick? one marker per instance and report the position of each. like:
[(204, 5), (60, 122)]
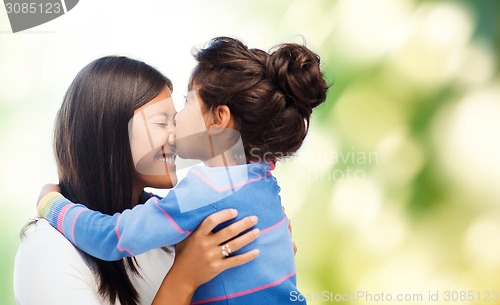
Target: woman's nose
[(171, 138)]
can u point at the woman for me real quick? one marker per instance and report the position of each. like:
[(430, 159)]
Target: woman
[(97, 163)]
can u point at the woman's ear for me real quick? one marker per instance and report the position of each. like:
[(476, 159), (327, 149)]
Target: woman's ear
[(221, 119)]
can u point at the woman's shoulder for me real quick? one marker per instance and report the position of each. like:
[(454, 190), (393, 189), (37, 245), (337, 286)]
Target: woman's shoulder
[(42, 241), (48, 268)]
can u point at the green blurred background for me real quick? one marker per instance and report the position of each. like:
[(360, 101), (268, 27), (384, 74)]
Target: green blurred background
[(397, 188)]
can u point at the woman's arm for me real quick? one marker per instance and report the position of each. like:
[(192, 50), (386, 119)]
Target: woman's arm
[(199, 258)]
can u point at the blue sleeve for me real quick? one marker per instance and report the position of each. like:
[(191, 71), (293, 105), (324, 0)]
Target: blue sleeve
[(147, 226)]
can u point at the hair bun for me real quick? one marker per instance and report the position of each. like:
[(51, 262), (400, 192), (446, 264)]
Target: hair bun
[(295, 70)]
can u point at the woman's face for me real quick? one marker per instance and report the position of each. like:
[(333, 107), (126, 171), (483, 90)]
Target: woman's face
[(152, 142)]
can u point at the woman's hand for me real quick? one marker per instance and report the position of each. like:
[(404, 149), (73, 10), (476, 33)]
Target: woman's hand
[(202, 251), (290, 229), (293, 243), (200, 258)]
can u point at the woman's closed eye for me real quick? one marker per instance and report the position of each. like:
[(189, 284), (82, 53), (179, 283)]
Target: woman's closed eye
[(165, 124)]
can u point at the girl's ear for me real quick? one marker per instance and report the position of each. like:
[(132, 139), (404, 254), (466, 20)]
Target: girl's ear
[(221, 119)]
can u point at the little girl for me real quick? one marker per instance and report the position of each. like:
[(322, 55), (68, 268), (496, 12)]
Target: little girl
[(246, 109)]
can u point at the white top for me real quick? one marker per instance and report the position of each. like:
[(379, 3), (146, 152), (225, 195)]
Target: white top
[(49, 270)]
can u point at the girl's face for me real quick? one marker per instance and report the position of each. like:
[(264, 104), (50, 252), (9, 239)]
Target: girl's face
[(152, 142), (191, 132)]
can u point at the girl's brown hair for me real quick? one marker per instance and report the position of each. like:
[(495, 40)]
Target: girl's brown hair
[(270, 95)]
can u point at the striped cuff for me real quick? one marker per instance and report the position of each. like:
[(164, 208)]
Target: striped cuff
[(47, 202)]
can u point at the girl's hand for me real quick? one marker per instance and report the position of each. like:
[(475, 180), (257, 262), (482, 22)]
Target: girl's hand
[(48, 188), (199, 258)]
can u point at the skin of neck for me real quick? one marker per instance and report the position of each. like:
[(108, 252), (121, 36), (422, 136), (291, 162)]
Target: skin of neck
[(232, 152), (224, 159), (137, 189)]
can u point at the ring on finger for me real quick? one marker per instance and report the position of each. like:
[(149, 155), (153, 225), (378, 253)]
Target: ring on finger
[(226, 250)]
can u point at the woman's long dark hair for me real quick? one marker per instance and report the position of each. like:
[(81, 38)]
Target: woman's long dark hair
[(92, 149)]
